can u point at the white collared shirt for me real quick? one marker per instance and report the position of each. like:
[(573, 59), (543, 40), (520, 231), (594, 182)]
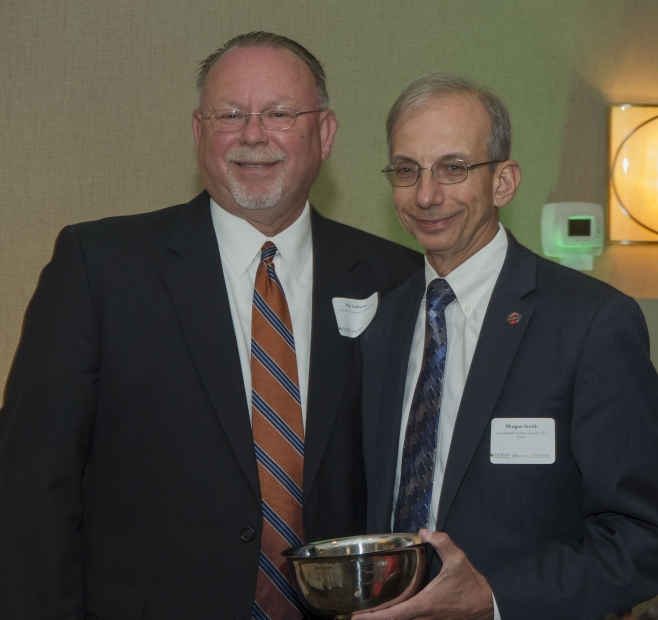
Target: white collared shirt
[(472, 282), (239, 246)]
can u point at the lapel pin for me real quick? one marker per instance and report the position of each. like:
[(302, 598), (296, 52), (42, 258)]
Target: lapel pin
[(513, 318)]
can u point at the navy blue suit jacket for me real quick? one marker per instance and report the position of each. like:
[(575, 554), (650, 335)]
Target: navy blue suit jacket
[(128, 481), (573, 540)]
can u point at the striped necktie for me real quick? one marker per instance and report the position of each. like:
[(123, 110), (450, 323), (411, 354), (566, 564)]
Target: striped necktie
[(412, 509), (278, 440)]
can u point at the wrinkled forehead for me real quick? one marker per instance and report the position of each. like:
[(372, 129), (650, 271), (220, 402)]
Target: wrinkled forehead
[(461, 110), (454, 123)]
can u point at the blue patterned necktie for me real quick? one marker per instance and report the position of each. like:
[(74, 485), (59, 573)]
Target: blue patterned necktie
[(412, 509)]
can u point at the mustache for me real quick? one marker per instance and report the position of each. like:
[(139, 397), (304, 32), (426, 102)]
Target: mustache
[(255, 154)]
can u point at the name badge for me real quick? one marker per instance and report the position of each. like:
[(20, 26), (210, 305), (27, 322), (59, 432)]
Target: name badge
[(354, 315), (523, 441)]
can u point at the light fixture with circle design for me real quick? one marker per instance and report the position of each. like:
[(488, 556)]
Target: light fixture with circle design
[(633, 207)]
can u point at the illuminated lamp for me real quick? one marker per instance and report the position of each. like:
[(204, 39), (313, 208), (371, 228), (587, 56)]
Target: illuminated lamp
[(633, 204)]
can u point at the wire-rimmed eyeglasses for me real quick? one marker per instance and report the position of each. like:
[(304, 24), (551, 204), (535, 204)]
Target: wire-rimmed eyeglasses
[(445, 172), (277, 119)]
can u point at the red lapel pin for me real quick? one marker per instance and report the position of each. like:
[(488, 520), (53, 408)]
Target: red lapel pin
[(513, 318)]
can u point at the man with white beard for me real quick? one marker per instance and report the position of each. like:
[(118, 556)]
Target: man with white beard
[(185, 399)]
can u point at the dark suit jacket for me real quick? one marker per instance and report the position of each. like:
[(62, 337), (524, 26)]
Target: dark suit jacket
[(575, 539), (126, 455)]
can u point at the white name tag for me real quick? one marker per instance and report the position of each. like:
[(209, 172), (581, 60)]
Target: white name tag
[(354, 315), (523, 441)]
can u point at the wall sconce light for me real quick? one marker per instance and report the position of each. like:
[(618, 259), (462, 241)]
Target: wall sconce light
[(633, 203)]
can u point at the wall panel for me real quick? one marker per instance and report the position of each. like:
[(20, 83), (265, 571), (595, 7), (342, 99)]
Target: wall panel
[(97, 97)]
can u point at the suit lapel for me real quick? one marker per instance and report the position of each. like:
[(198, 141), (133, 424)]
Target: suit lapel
[(332, 355), (494, 353), (198, 292), (391, 402)]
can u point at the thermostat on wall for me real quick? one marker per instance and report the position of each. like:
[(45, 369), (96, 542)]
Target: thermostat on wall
[(573, 232)]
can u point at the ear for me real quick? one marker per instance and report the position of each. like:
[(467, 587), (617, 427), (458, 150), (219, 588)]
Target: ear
[(328, 127), (507, 179), (197, 120)]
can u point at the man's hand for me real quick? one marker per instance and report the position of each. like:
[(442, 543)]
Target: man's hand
[(458, 592)]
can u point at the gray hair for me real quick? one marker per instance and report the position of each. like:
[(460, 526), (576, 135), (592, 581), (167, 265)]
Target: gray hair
[(274, 41), (441, 85)]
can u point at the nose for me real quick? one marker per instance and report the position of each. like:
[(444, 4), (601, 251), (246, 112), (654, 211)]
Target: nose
[(428, 191), (253, 131)]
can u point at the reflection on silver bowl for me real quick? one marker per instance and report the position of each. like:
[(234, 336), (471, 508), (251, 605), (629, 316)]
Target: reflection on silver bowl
[(346, 575)]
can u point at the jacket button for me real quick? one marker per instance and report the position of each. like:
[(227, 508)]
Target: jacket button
[(247, 534)]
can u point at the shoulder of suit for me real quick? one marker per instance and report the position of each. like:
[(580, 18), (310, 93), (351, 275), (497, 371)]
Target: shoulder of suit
[(563, 284), (139, 228), (367, 243), (572, 284), (412, 286), (135, 222)]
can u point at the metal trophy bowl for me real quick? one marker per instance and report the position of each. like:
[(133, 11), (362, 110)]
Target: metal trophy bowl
[(343, 576)]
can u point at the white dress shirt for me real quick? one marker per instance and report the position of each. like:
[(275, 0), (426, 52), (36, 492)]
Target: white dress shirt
[(472, 282), (239, 246)]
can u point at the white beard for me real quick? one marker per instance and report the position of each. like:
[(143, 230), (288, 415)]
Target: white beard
[(246, 197)]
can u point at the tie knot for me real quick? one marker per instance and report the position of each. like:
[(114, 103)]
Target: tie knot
[(439, 294), (267, 252)]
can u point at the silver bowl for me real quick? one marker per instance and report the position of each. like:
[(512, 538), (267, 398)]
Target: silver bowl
[(343, 576)]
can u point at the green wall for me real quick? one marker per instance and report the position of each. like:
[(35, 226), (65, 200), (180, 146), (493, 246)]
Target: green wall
[(95, 111)]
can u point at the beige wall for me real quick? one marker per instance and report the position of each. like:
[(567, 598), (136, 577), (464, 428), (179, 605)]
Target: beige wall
[(96, 100), (97, 96)]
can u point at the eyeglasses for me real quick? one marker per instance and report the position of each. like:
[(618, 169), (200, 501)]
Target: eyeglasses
[(277, 119), (445, 172)]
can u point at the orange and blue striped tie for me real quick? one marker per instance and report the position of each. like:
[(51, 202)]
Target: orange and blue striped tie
[(278, 433)]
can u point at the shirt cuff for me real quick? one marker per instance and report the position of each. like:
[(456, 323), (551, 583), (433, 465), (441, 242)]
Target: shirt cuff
[(496, 612)]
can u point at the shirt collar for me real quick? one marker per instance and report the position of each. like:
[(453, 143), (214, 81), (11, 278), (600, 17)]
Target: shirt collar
[(239, 242), (474, 276)]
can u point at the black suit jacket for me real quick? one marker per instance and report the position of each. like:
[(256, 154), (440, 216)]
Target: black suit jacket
[(128, 481), (575, 539)]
